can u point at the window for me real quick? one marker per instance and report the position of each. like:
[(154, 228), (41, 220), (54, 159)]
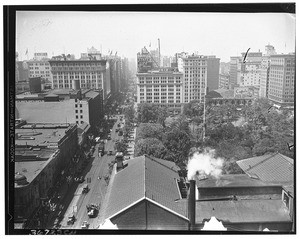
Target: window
[(76, 116), (76, 111), (80, 111), (80, 105), (81, 116)]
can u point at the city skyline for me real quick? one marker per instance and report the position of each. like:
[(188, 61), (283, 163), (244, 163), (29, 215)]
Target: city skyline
[(126, 33)]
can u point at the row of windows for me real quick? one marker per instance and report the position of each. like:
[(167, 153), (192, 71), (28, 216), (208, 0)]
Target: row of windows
[(76, 64), (161, 77)]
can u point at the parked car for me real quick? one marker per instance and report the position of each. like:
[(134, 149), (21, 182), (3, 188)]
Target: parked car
[(85, 188), (85, 225), (109, 137), (71, 219)]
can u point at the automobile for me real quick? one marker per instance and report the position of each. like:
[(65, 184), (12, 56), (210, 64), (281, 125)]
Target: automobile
[(85, 188), (117, 130), (71, 219), (109, 137), (81, 179), (85, 225), (120, 133), (119, 125)]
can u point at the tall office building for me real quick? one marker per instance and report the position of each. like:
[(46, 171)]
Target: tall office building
[(213, 67), (233, 71), (282, 79), (264, 71), (195, 78), (162, 87)]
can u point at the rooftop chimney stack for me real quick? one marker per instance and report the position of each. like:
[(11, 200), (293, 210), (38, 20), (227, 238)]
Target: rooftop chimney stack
[(192, 204)]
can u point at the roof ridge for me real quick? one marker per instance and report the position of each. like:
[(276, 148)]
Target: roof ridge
[(285, 158), (272, 155), (154, 159)]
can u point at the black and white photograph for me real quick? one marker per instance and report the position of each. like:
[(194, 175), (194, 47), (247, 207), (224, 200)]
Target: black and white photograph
[(151, 118)]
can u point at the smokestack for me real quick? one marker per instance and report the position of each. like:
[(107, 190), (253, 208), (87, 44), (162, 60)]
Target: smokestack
[(192, 204)]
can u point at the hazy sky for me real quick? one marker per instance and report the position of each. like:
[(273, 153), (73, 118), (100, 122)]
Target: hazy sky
[(223, 35)]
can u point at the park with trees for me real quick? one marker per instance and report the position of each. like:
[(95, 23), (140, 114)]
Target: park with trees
[(234, 133)]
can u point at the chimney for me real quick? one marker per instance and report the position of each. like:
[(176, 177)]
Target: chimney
[(119, 159), (192, 204)]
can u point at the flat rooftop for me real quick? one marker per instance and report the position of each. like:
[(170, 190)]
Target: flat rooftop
[(233, 180), (31, 167), (41, 134)]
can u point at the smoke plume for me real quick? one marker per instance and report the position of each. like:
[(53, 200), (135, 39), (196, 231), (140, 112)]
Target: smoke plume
[(204, 163)]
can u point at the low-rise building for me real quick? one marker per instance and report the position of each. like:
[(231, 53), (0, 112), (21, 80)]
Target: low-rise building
[(142, 195), (63, 106)]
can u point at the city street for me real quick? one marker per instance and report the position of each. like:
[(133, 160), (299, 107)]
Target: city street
[(97, 187)]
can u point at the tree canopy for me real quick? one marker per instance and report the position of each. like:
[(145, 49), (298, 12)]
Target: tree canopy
[(151, 113), (150, 146)]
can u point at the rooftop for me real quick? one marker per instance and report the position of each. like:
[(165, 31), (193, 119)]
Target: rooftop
[(142, 178), (231, 180), (31, 167), (270, 168), (40, 134), (243, 211)]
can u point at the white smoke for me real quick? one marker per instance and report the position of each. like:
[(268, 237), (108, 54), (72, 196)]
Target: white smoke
[(204, 163)]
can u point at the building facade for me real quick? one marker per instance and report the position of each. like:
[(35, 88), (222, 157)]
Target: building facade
[(264, 71), (233, 71), (163, 87), (42, 151), (194, 78), (249, 69), (63, 106), (213, 67), (39, 67), (92, 74), (282, 79), (224, 81)]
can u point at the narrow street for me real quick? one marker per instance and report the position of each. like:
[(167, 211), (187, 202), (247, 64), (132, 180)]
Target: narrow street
[(97, 187)]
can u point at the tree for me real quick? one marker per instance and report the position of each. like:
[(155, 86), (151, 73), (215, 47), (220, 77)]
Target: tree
[(148, 130), (150, 146), (178, 143), (147, 113), (193, 109), (129, 113), (121, 146), (162, 114)]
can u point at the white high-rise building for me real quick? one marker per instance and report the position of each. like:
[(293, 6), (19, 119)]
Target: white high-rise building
[(282, 79), (195, 78), (162, 87)]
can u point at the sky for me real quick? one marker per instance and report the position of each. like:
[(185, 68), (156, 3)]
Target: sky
[(220, 34)]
